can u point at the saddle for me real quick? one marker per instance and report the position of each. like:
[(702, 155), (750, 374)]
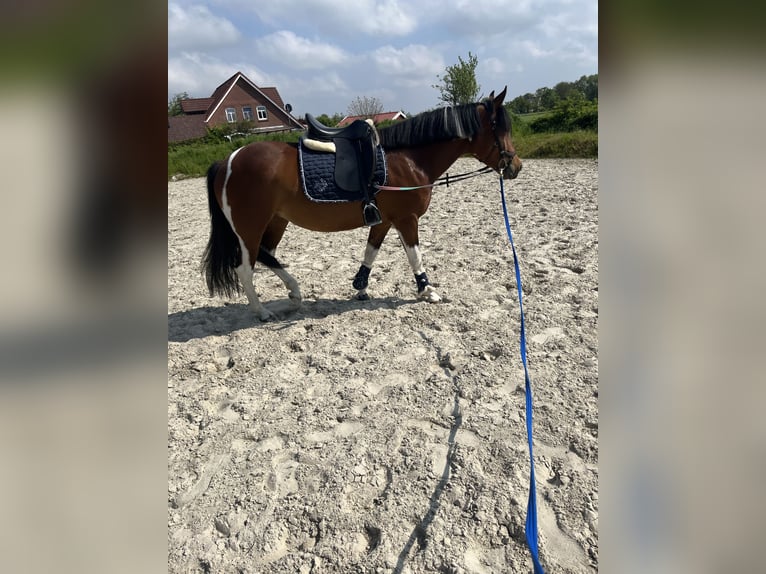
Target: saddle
[(355, 159)]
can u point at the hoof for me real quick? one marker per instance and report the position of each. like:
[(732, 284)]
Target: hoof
[(264, 314), (362, 296), (428, 294), (295, 300)]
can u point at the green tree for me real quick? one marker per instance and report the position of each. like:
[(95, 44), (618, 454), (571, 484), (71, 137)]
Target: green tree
[(520, 105), (564, 89), (458, 85), (588, 85), (547, 98), (329, 121), (174, 104)]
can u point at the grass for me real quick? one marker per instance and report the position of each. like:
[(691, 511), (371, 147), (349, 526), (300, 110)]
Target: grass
[(579, 144), (528, 118), (193, 159)]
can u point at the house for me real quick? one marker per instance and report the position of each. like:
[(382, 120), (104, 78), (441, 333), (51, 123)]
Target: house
[(377, 118), (237, 99)]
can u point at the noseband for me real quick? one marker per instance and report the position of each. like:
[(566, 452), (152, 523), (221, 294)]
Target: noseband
[(506, 157)]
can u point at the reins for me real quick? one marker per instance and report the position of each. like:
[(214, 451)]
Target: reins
[(445, 180), (530, 528)]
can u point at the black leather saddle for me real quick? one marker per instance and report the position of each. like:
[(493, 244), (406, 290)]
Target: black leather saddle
[(355, 158)]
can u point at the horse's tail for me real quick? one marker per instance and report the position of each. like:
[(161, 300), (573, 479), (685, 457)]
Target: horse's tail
[(223, 253)]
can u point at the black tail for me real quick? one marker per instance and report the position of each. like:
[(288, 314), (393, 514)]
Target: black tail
[(223, 253)]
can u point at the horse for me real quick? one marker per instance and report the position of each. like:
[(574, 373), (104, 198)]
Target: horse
[(255, 193)]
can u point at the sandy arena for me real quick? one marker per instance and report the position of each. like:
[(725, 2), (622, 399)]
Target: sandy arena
[(388, 436)]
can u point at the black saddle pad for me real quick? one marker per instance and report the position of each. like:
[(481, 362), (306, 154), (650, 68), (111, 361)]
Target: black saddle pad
[(317, 169)]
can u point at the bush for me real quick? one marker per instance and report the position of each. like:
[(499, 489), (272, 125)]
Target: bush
[(519, 126), (226, 132), (571, 114), (577, 144), (194, 158)]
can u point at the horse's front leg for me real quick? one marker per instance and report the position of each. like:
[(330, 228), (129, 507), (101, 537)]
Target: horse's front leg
[(374, 241), (408, 234)]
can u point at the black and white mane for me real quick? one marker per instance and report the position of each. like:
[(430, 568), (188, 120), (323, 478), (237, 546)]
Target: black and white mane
[(451, 122)]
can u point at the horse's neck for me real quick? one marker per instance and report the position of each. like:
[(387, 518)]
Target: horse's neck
[(436, 158)]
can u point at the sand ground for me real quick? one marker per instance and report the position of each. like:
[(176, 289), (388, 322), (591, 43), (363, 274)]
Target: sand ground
[(388, 435)]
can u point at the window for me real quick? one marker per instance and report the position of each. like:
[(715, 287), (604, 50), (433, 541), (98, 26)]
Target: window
[(247, 113), (262, 115), (231, 115)]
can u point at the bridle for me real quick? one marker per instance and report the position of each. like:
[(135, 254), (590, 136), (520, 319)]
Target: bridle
[(506, 157)]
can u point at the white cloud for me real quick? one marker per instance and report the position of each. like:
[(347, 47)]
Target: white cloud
[(340, 17), (479, 19), (390, 18), (534, 49), (197, 27), (491, 66), (571, 21), (299, 53), (413, 65), (199, 74)]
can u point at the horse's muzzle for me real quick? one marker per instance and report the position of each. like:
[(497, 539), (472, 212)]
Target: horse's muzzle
[(512, 168)]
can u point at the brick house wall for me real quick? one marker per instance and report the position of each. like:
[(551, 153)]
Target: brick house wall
[(237, 93)]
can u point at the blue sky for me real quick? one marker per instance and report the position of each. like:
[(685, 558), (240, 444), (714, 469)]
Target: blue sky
[(321, 54)]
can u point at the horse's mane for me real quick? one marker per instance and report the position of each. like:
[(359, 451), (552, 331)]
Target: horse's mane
[(451, 122)]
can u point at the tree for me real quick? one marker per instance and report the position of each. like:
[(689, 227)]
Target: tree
[(458, 85), (174, 104), (588, 85), (520, 105), (547, 98), (365, 106), (330, 121), (565, 89)]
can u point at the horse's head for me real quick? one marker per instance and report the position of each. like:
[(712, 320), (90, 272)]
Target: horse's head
[(497, 148)]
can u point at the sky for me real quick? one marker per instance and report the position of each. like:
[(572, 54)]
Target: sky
[(322, 54)]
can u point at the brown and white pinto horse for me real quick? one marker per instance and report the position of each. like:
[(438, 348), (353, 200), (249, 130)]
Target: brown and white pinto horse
[(255, 193)]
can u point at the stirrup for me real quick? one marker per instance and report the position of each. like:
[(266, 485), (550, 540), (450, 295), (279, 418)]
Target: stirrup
[(371, 214)]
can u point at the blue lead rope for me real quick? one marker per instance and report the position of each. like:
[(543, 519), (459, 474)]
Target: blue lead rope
[(530, 529)]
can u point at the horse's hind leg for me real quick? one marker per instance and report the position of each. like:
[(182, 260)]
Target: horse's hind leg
[(250, 245), (245, 274), (294, 292), (269, 242), (374, 241), (408, 234)]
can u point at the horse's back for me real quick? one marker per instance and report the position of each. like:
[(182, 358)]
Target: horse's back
[(259, 177), (267, 158)]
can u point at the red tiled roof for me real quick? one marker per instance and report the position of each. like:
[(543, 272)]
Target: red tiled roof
[(195, 105), (222, 88), (196, 111), (182, 128), (271, 93), (274, 96), (377, 118)]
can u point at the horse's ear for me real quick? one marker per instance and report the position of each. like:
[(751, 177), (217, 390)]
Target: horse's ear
[(492, 95), (500, 97)]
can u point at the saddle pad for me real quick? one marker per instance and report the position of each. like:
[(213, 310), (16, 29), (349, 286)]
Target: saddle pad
[(317, 171)]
